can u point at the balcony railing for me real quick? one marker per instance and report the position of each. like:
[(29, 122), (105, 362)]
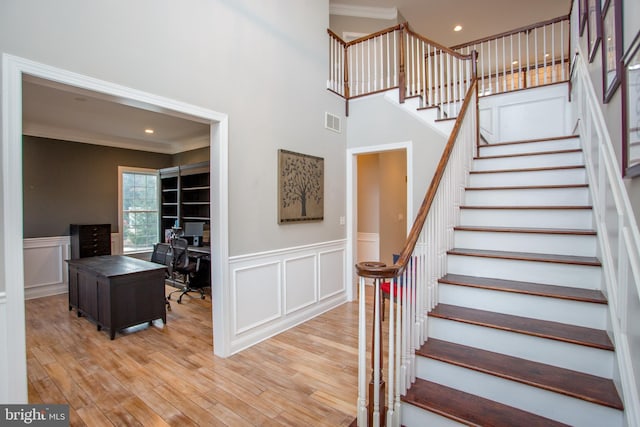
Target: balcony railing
[(526, 57), (399, 58)]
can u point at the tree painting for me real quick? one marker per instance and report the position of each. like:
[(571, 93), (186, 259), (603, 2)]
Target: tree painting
[(301, 187)]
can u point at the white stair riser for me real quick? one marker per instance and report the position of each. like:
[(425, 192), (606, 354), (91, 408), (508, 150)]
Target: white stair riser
[(429, 115), (445, 126), (536, 161), (529, 147), (561, 244), (543, 177), (538, 401), (590, 315), (528, 197), (581, 219), (576, 357), (549, 273), (412, 416)]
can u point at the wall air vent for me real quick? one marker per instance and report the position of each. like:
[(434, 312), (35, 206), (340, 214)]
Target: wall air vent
[(332, 122)]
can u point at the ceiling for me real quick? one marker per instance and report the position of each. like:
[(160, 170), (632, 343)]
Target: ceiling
[(435, 19), (57, 111)]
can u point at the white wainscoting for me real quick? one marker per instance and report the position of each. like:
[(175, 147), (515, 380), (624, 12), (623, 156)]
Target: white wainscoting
[(276, 290), (45, 269), (508, 110), (368, 249)]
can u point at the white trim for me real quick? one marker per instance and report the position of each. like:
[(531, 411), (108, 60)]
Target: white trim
[(364, 11), (14, 373), (352, 205), (13, 70)]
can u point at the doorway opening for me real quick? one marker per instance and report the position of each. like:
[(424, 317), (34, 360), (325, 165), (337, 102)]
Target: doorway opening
[(378, 202), (14, 70)]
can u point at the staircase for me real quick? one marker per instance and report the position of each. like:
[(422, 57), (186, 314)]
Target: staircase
[(518, 337)]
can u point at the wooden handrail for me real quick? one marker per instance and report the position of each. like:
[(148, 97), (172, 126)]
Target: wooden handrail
[(337, 37), (511, 32), (374, 35), (379, 270)]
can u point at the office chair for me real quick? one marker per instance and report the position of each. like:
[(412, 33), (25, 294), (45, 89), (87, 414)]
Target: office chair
[(161, 255), (185, 267)]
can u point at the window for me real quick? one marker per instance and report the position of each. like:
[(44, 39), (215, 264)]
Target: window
[(138, 211)]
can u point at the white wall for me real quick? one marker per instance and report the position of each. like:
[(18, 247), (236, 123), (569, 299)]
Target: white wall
[(262, 63)]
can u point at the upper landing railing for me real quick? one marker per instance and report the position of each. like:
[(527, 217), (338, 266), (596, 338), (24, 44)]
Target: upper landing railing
[(399, 58), (530, 56)]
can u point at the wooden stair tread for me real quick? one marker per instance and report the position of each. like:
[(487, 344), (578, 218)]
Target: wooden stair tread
[(470, 409), (580, 335), (576, 384), (522, 207), (530, 187), (538, 169), (527, 141), (529, 288), (532, 153), (528, 256), (529, 230)]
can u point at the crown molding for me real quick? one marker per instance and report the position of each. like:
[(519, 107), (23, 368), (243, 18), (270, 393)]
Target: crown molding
[(388, 13)]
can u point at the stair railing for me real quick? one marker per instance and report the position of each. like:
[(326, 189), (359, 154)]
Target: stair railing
[(530, 56), (415, 275), (618, 235), (397, 57)]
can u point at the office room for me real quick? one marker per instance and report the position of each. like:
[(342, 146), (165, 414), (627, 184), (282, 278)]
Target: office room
[(77, 145)]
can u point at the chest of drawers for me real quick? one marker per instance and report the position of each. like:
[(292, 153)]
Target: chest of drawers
[(90, 240)]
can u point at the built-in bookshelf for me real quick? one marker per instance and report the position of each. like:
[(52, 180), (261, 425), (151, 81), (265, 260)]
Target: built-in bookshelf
[(185, 196)]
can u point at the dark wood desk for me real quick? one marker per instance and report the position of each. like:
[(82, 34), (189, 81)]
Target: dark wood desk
[(117, 291)]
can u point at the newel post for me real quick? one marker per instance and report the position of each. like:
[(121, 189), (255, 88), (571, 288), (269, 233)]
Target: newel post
[(347, 94), (402, 79)]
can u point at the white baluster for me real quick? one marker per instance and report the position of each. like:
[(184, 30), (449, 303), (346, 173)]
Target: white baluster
[(362, 356)]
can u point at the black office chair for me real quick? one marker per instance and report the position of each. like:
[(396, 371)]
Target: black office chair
[(162, 255), (184, 269)]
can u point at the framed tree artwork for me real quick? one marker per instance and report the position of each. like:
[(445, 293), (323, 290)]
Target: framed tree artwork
[(631, 110), (611, 48), (594, 29), (300, 187)]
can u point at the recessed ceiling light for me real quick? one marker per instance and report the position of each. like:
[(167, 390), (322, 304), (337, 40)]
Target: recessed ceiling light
[(149, 131), (514, 63), (457, 28)]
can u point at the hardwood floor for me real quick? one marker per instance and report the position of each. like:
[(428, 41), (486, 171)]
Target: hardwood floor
[(154, 376)]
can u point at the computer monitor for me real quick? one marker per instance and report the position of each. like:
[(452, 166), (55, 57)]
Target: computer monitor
[(193, 228)]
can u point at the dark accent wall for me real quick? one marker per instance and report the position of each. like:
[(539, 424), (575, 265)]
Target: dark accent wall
[(194, 156), (69, 182)]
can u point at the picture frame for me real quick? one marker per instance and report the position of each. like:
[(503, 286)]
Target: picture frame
[(300, 187), (611, 48), (594, 27), (631, 110)]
